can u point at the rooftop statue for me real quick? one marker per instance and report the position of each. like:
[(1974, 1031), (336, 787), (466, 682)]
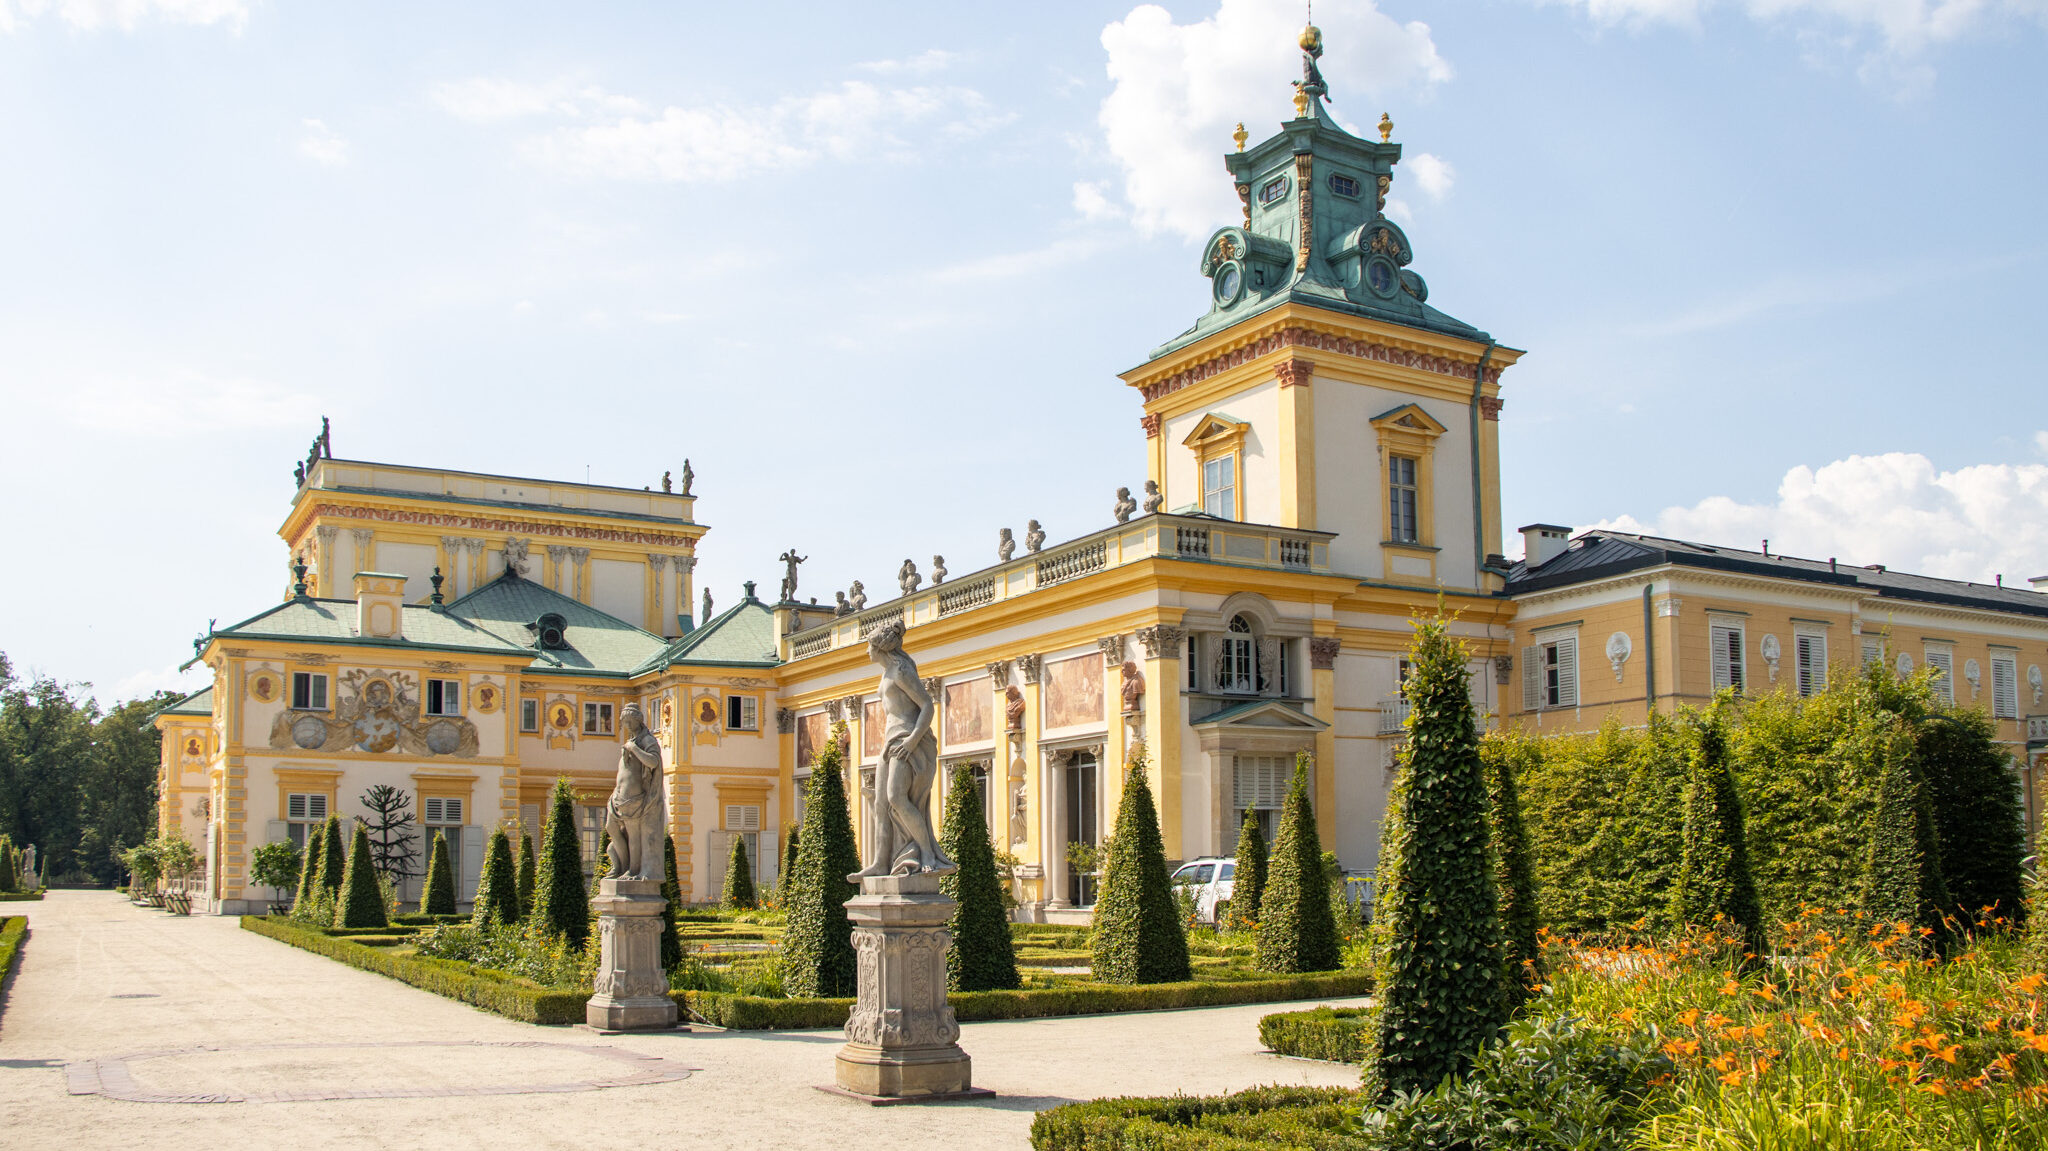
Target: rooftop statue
[(1125, 505), (1006, 545), (789, 561)]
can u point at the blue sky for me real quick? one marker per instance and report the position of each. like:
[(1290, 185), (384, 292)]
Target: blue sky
[(1776, 263)]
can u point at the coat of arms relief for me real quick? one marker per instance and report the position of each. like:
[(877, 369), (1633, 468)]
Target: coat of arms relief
[(377, 712)]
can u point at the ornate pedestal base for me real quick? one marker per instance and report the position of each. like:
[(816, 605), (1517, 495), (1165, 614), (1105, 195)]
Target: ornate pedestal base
[(901, 1040), (632, 991)]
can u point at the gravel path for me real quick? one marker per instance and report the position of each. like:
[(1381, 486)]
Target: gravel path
[(127, 1027)]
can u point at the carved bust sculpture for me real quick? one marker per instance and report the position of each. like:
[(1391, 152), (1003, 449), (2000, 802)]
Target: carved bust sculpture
[(635, 814), (1013, 709), (903, 842), (857, 597), (1133, 687), (841, 607), (1034, 536), (1152, 497), (1125, 505), (938, 570), (907, 577), (1006, 545)]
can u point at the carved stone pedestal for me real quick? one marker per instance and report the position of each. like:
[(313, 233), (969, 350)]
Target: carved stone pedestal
[(632, 991), (901, 1039)]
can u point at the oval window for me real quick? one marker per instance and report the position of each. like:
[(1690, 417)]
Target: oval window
[(1274, 189), (1343, 185)]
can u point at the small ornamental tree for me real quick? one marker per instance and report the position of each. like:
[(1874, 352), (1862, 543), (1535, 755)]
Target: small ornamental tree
[(1902, 881), (497, 887), (672, 891), (437, 894), (362, 902), (275, 865), (1297, 931), (817, 944), (1441, 987), (1714, 883), (561, 904), (1248, 884), (526, 871), (309, 867), (1514, 877), (982, 957), (1139, 936), (333, 856), (390, 825), (739, 879), (1978, 815)]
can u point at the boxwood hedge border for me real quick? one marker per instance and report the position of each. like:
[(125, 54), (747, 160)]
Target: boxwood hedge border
[(1321, 1118), (1334, 1034), (13, 933)]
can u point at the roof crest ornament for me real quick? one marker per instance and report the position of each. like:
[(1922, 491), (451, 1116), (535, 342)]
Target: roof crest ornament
[(1311, 87)]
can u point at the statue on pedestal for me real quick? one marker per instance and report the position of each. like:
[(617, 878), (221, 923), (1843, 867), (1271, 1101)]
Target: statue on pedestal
[(636, 813), (903, 842)]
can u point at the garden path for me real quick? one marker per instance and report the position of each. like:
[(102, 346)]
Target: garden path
[(120, 1002)]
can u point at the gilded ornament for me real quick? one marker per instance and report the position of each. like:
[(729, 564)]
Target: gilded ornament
[(1386, 128)]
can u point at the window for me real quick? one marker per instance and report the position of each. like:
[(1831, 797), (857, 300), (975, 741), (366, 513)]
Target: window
[(1402, 500), (1725, 642), (309, 691), (2005, 687), (743, 817), (1229, 872), (442, 816), (1943, 661), (444, 697), (1236, 661), (1343, 185), (1550, 674), (1810, 657), (1273, 190), (1194, 668), (435, 809), (529, 715), (597, 719), (1219, 487), (1401, 680), (1873, 651), (1280, 661), (742, 713), (1259, 784), (592, 820), (304, 811)]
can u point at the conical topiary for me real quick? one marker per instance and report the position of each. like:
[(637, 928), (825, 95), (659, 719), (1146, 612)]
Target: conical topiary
[(439, 895), (1441, 987), (1978, 814), (1514, 879), (817, 944), (561, 903), (333, 856), (739, 879), (526, 872), (362, 903), (982, 957), (672, 891), (309, 870), (1139, 936), (1902, 881), (792, 836), (1297, 929), (497, 888), (9, 880), (1715, 887), (1248, 883)]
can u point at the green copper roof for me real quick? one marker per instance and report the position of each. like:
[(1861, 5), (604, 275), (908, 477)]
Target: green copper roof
[(596, 642), (334, 621), (198, 703), (744, 635)]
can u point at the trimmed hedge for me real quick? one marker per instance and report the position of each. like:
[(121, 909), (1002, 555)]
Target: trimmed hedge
[(1139, 937), (1262, 1118), (1335, 1034), (13, 933), (19, 896), (503, 994)]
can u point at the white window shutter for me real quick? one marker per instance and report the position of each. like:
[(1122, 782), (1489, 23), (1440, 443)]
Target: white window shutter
[(451, 810), (719, 844), (1532, 678), (2005, 688), (766, 862), (275, 830), (1724, 672), (316, 806), (1943, 662), (1568, 672), (1810, 655), (1873, 651), (295, 807)]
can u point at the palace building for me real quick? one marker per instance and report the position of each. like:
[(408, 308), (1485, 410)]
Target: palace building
[(1323, 466)]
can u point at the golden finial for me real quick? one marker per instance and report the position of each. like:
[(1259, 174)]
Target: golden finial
[(1240, 135), (1311, 39), (1386, 128), (1300, 102)]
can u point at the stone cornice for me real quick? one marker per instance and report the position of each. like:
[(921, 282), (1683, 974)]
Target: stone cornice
[(506, 524), (1298, 333)]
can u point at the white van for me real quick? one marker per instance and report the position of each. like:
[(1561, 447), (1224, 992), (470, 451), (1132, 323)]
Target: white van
[(1212, 879)]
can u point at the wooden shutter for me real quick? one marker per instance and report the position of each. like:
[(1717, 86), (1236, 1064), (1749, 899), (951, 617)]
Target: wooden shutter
[(1943, 662), (316, 806), (277, 830), (1724, 672), (295, 806), (1568, 671), (430, 810), (719, 845), (1810, 656), (1532, 678), (2005, 688), (451, 811), (1873, 651), (742, 817)]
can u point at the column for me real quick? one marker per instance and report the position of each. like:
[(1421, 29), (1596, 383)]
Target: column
[(581, 558), (558, 557), (1161, 645), (1038, 828), (1322, 657), (1297, 443), (329, 580), (1114, 751), (657, 580)]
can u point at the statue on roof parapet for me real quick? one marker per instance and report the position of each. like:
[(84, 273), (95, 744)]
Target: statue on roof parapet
[(689, 477), (789, 561)]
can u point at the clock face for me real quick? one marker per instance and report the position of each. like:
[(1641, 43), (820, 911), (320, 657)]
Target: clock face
[(1228, 283)]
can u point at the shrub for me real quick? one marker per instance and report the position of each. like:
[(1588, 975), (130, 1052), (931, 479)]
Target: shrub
[(309, 867), (333, 857), (1443, 991), (1296, 930), (1978, 815), (1334, 1034), (478, 986), (1714, 887), (438, 892), (13, 933), (1324, 1118), (526, 871), (739, 879), (1248, 883), (787, 864), (362, 903), (1902, 876), (817, 947), (672, 891), (503, 947), (1514, 878), (982, 957), (275, 865), (561, 904), (141, 863), (10, 879), (1140, 936), (497, 893)]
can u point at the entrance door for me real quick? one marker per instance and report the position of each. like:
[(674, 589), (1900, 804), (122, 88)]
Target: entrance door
[(1083, 826)]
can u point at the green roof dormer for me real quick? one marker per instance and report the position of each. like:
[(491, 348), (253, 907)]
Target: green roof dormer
[(1315, 229)]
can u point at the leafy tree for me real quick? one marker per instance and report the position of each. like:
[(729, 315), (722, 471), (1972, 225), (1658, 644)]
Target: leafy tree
[(10, 880), (672, 891), (739, 879), (437, 896), (561, 904), (1514, 877), (526, 873), (1297, 931), (275, 865), (817, 943), (497, 890), (45, 740), (143, 871), (1978, 814), (982, 957), (1248, 881), (118, 786), (1714, 884), (1442, 994), (1902, 881), (362, 903), (390, 825), (1139, 936)]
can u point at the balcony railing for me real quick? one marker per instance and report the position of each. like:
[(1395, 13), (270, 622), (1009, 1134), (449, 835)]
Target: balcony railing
[(2037, 729), (1393, 716), (1192, 538)]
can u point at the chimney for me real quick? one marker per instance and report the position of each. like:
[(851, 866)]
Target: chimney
[(2038, 583), (1542, 543), (380, 605)]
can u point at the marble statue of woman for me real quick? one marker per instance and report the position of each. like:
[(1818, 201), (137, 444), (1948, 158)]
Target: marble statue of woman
[(635, 813), (903, 842)]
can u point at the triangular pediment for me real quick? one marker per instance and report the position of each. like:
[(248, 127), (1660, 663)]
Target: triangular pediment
[(1409, 418), (1214, 425), (1263, 713)]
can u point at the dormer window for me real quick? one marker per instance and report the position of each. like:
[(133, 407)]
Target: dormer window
[(551, 631), (1343, 185), (1274, 190)]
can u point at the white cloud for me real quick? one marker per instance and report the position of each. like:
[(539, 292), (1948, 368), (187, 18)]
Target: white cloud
[(126, 15), (2041, 442), (1433, 174), (322, 145), (1178, 89), (174, 404), (1093, 202), (1896, 509), (1905, 26), (601, 135), (923, 64)]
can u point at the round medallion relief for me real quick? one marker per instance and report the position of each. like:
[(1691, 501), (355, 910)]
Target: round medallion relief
[(443, 738), (263, 686), (309, 731)]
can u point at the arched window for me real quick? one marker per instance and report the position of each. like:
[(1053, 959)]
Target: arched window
[(1237, 658)]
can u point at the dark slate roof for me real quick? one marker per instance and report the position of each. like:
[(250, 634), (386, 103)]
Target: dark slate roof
[(743, 635), (1599, 554)]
